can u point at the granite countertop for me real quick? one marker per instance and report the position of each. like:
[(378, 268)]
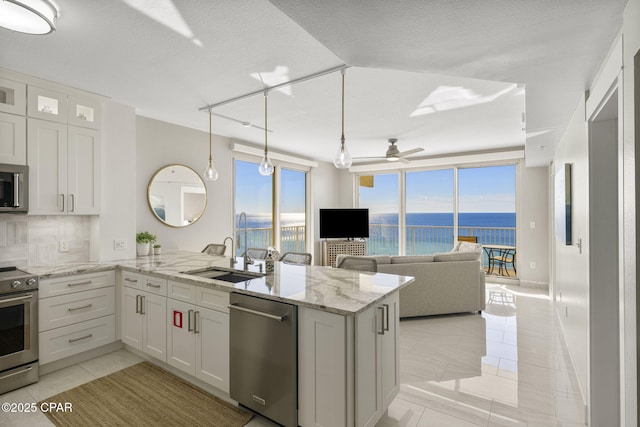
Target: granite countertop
[(325, 288)]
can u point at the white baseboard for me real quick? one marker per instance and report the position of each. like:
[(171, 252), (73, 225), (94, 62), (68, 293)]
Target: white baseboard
[(534, 284), (80, 357)]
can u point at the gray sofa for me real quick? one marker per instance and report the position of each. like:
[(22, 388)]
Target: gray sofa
[(446, 283)]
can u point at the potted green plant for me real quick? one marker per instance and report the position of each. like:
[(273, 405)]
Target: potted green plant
[(157, 249), (143, 242)]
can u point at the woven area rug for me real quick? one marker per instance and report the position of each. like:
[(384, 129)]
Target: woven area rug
[(143, 395)]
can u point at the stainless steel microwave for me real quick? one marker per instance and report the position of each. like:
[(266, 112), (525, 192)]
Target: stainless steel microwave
[(14, 188)]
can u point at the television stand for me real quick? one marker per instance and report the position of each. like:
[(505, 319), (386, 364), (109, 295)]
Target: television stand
[(332, 248)]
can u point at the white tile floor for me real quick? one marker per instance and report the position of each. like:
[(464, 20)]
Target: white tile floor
[(506, 367)]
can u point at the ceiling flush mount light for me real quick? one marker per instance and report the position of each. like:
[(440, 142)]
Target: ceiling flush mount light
[(28, 16), (266, 167), (343, 158), (210, 173)]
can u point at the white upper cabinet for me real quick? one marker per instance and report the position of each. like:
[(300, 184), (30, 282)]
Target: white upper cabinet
[(13, 134), (84, 112), (13, 97), (13, 139), (47, 104), (64, 169)]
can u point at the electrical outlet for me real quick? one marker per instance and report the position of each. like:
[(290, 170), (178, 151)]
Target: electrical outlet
[(532, 265), (532, 224), (64, 246), (119, 245)]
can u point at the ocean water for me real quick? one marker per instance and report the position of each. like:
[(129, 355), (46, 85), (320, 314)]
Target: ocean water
[(427, 233)]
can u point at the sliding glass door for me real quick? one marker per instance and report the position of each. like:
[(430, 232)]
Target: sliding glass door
[(256, 196), (293, 197), (429, 211), (379, 193)]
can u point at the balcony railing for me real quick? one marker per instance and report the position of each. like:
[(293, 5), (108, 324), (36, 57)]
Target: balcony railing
[(427, 239), (383, 238), (292, 238)]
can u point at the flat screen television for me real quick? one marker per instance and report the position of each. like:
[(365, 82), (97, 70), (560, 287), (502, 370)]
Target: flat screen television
[(344, 223)]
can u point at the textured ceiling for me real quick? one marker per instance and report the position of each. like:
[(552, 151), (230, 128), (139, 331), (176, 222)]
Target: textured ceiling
[(441, 75)]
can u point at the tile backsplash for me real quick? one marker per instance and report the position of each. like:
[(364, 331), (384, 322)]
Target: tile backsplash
[(44, 240)]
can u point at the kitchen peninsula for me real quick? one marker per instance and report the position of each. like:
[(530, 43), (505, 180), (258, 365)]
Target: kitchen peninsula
[(347, 325)]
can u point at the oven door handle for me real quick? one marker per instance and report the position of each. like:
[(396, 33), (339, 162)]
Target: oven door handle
[(26, 297)]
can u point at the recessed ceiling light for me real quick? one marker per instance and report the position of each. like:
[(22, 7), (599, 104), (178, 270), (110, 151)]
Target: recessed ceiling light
[(28, 16)]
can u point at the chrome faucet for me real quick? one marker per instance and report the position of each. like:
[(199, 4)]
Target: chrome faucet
[(245, 257), (232, 261)]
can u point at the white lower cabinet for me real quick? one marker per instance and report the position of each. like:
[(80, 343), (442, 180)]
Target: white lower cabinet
[(143, 316), (348, 366), (76, 313), (198, 337), (376, 360)]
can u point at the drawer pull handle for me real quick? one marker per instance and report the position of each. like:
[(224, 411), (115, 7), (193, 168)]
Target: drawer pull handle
[(128, 279), (80, 308), (151, 285), (81, 338), (88, 282), (17, 373)]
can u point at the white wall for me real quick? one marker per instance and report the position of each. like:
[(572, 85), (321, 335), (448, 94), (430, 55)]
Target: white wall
[(160, 144), (533, 243), (118, 215), (571, 280), (631, 137)]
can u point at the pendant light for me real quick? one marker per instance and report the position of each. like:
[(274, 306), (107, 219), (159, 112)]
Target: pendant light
[(266, 167), (343, 158), (210, 173), (28, 16)]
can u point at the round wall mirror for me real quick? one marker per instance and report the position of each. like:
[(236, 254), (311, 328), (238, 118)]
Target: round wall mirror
[(177, 195)]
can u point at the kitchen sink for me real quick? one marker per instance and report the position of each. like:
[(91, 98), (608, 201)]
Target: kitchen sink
[(226, 275)]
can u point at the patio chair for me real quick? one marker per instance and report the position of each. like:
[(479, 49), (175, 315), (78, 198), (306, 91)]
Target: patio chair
[(256, 253), (302, 258), (502, 260), (357, 263), (214, 249), (471, 239)]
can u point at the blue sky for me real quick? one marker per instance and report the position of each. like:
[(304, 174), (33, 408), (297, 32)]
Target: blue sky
[(483, 189), (253, 191), (486, 189)]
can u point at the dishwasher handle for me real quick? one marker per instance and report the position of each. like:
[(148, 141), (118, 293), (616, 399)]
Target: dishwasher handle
[(257, 313)]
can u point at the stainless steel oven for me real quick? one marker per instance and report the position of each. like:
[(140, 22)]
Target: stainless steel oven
[(14, 188), (18, 329)]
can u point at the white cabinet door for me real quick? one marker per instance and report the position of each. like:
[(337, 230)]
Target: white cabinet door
[(47, 160), (64, 169), (369, 326), (131, 319), (154, 333), (181, 341), (13, 97), (13, 139), (83, 172), (389, 351), (46, 104), (377, 360), (212, 347)]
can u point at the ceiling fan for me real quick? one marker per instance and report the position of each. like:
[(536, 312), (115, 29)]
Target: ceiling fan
[(393, 154)]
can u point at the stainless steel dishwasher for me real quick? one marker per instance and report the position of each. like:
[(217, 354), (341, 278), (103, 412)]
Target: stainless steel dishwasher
[(264, 357)]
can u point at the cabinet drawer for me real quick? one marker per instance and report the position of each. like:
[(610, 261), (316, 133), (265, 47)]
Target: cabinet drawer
[(182, 291), (65, 310), (69, 340), (213, 299), (155, 285), (78, 282), (132, 280)]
